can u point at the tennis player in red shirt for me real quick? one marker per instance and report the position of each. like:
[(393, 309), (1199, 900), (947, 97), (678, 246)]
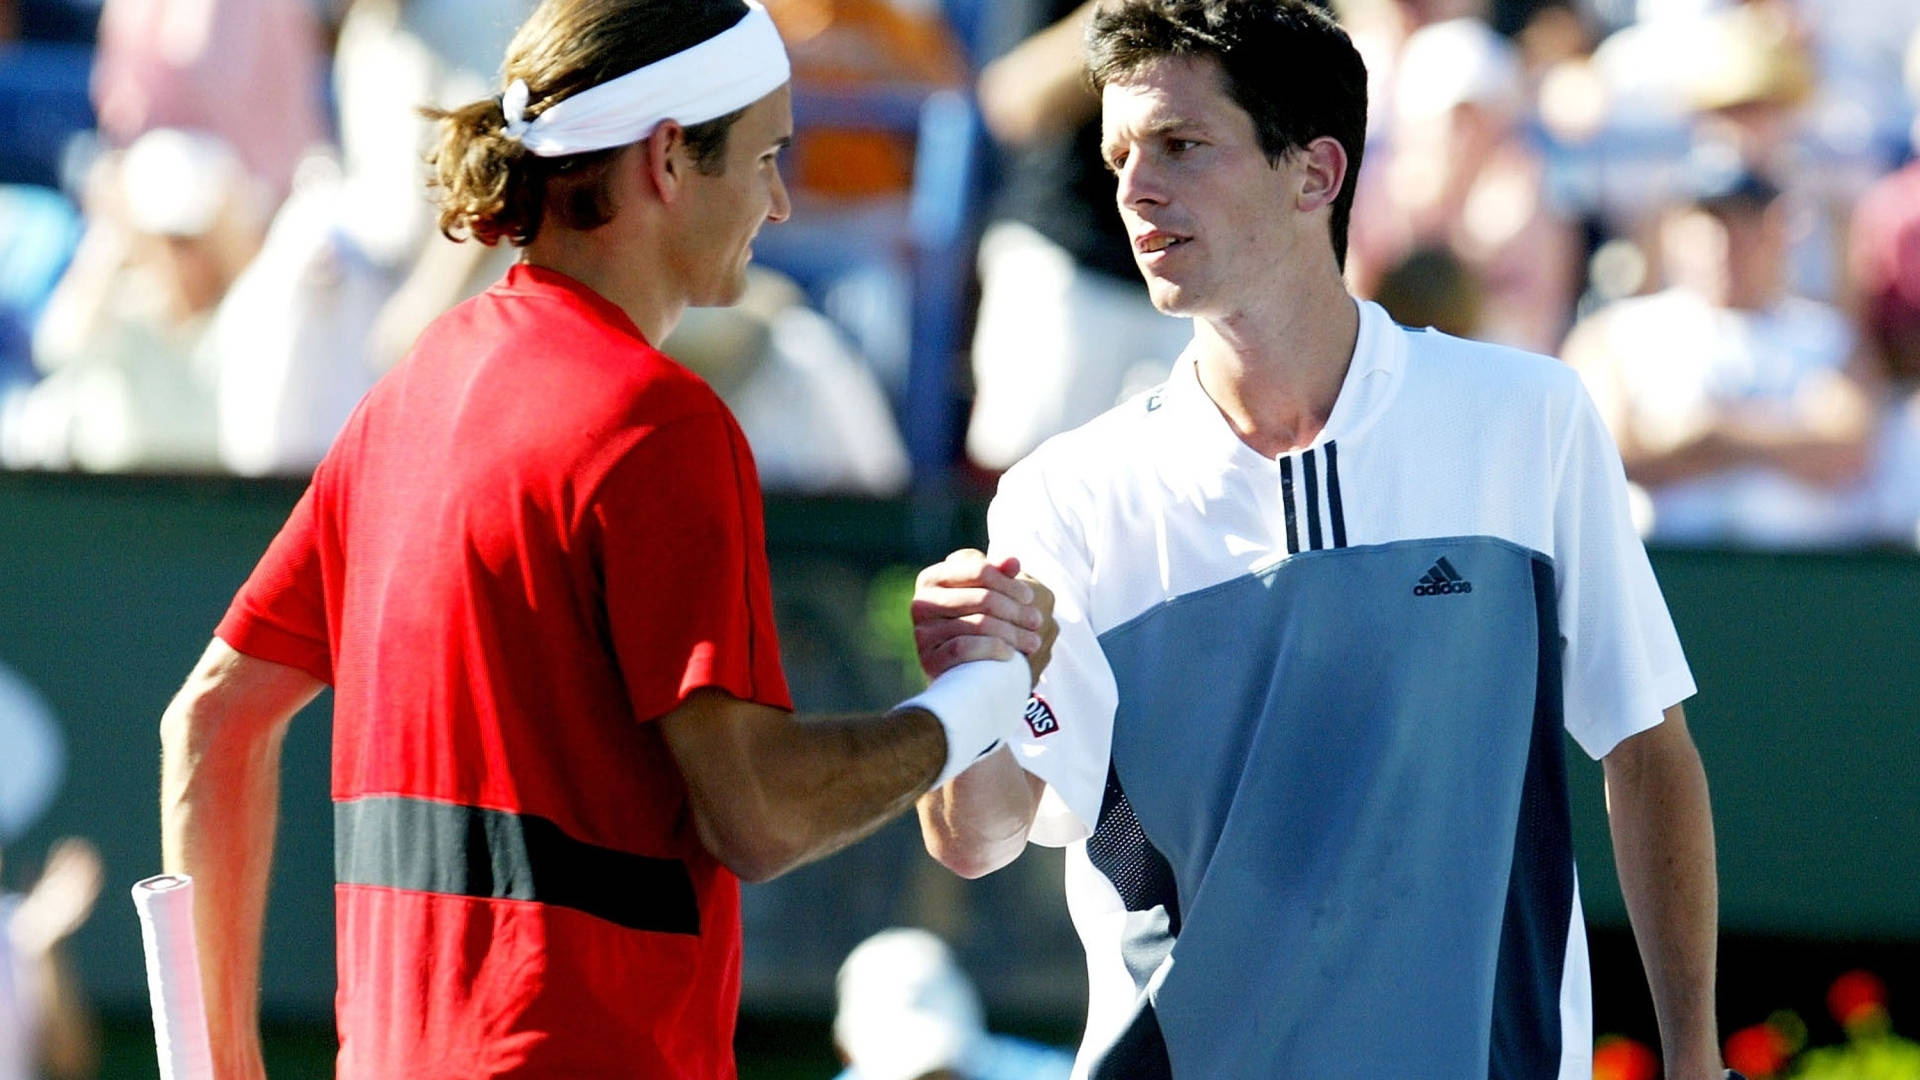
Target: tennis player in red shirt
[(532, 568)]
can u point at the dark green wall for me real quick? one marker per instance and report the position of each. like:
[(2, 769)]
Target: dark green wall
[(109, 587), (1808, 718)]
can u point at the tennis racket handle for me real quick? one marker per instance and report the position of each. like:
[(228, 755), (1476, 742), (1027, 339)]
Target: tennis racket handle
[(165, 904)]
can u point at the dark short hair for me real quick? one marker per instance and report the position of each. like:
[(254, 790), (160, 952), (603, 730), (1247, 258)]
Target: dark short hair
[(1286, 63)]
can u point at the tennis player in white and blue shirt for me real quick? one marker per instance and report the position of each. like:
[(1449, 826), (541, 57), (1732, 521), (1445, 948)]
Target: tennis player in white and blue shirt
[(1327, 599)]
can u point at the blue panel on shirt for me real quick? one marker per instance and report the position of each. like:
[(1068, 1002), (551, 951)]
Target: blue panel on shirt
[(1333, 766)]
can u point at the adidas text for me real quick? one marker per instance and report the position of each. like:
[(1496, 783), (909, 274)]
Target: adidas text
[(1442, 580)]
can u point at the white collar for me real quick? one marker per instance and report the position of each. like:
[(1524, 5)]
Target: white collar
[(1372, 379)]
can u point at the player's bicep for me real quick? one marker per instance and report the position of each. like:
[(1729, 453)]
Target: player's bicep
[(231, 690), (280, 614)]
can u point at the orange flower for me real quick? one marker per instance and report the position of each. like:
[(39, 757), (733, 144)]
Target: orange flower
[(1758, 1051), (1617, 1058), (1857, 998)]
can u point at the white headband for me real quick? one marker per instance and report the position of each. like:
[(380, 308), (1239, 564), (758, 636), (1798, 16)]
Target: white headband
[(729, 71)]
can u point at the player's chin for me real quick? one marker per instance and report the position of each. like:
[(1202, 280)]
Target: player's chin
[(1169, 298), (727, 291)]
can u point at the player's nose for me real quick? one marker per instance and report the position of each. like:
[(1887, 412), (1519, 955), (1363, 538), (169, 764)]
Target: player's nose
[(780, 207), (1139, 183)]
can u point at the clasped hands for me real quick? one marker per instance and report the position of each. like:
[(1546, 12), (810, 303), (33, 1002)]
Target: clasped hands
[(967, 607)]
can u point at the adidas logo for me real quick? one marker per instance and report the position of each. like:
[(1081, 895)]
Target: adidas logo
[(1442, 580)]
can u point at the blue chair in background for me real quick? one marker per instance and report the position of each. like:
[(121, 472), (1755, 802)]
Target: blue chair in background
[(925, 240), (43, 104), (973, 23)]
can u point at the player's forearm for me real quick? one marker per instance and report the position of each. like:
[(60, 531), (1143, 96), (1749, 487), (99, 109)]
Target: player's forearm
[(1663, 844), (219, 805), (1803, 450), (770, 791), (979, 822), (1039, 88), (847, 776)]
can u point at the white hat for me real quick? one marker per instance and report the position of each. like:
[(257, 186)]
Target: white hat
[(1457, 62), (906, 1009), (176, 183)]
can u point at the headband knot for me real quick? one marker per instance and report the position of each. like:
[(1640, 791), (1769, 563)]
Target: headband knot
[(513, 106)]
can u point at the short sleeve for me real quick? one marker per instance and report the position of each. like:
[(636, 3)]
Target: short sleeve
[(682, 548), (280, 614), (1623, 665), (1070, 716)]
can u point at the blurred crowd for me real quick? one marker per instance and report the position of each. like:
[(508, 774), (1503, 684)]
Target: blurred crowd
[(47, 1026), (1711, 208)]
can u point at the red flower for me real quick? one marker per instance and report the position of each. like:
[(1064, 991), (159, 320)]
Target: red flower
[(1857, 996), (1617, 1058), (1757, 1051)]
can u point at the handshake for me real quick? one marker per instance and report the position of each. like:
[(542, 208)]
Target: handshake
[(984, 634)]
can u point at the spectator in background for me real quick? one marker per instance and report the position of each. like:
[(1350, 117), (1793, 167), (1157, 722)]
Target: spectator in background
[(812, 393), (840, 44), (353, 268), (1884, 264), (1734, 401), (1461, 173), (1431, 287), (123, 340), (907, 1012), (1380, 29), (1884, 255), (813, 414), (38, 231), (44, 1017), (1751, 76), (245, 70), (1740, 79), (1065, 329)]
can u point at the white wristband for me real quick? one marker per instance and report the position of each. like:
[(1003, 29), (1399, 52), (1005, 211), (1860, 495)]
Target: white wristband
[(975, 702)]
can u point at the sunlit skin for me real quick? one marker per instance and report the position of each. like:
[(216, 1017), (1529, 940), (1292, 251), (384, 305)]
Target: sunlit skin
[(1203, 206), (1734, 256), (680, 237), (724, 213), (1237, 242)]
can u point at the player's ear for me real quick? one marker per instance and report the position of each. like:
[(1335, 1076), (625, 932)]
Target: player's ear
[(667, 160), (1323, 173)]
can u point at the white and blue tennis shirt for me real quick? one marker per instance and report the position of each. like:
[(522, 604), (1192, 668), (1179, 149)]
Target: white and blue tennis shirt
[(1302, 723)]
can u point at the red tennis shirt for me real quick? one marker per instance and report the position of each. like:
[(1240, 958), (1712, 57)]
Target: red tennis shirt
[(534, 537)]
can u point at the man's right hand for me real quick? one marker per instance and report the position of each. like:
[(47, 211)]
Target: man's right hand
[(968, 608), (60, 901)]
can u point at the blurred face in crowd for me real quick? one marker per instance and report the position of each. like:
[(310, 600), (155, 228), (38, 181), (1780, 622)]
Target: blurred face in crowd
[(192, 267), (1732, 253), (1215, 227), (726, 210)]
